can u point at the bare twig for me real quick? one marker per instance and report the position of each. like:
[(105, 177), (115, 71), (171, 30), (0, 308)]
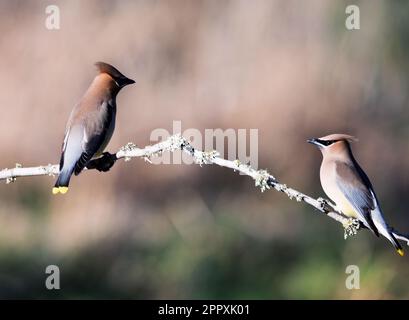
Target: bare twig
[(262, 178)]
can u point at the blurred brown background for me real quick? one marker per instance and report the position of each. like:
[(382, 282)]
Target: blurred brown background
[(288, 68)]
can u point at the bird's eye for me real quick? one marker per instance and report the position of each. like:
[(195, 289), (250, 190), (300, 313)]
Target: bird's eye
[(327, 142)]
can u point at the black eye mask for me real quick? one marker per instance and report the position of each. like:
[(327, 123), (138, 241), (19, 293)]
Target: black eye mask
[(326, 142)]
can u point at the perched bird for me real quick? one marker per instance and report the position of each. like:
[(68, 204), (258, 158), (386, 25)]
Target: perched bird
[(91, 124), (349, 187)]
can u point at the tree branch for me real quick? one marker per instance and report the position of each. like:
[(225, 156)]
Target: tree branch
[(262, 178)]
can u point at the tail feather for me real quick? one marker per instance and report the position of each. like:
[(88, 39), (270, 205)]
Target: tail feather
[(385, 229), (396, 244), (63, 180), (387, 233)]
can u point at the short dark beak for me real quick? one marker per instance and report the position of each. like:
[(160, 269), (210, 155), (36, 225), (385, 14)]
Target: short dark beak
[(129, 81), (125, 81), (313, 141)]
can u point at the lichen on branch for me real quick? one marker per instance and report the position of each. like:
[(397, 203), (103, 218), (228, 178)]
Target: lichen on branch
[(262, 178)]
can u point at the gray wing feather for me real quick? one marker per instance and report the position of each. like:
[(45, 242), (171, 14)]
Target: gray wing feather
[(72, 147), (357, 193), (95, 134)]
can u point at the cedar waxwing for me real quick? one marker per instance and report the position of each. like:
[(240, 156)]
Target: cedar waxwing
[(91, 124), (349, 187)]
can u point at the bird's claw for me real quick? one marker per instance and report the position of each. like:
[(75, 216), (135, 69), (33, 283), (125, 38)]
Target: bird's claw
[(351, 227), (104, 163), (323, 203)]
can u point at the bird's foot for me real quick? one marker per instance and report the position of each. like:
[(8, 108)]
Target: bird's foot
[(323, 203), (351, 227), (103, 163)]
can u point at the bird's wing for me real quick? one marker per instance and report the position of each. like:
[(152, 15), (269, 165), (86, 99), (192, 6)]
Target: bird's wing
[(96, 126), (357, 191), (71, 147), (70, 135)]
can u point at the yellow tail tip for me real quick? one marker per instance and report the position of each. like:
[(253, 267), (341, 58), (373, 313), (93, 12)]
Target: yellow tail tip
[(400, 252), (61, 190)]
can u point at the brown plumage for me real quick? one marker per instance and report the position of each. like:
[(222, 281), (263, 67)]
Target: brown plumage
[(91, 124), (345, 183)]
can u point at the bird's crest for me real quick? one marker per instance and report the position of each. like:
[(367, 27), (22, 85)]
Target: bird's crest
[(107, 68), (339, 136)]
